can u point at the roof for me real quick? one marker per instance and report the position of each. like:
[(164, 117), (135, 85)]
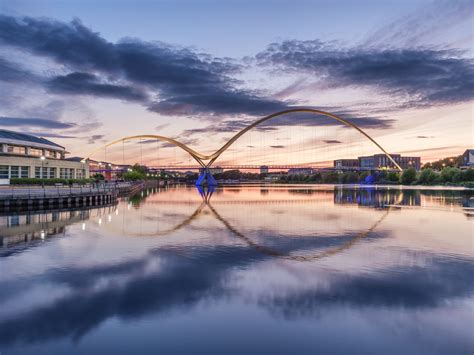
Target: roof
[(5, 134)]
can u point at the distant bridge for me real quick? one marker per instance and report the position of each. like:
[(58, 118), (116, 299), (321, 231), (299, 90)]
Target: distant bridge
[(243, 167)]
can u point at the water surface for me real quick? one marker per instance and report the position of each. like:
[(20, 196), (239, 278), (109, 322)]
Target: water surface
[(250, 270)]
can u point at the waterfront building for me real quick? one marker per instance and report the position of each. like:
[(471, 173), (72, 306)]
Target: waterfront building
[(263, 169), (300, 171), (381, 161), (27, 156), (378, 161), (468, 159), (346, 163)]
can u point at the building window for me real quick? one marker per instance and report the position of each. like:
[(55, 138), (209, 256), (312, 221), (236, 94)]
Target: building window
[(80, 173), (38, 173), (13, 149), (24, 171), (36, 152), (51, 154), (14, 171), (51, 173), (3, 171), (65, 173)]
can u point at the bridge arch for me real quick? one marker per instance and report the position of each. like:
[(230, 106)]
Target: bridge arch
[(196, 155), (216, 155), (200, 158)]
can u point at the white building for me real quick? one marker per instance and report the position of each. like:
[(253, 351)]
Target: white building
[(26, 156)]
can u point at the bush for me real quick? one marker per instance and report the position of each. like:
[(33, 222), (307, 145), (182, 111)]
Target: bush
[(331, 178), (466, 175), (133, 176), (450, 174), (350, 178), (428, 177), (393, 176), (408, 176)]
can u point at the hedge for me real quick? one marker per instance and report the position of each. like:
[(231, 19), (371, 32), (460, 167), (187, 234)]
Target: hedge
[(35, 181)]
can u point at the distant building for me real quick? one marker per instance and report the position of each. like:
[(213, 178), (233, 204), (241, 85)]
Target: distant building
[(468, 159), (346, 164), (301, 171), (378, 161), (216, 170), (27, 156), (263, 169)]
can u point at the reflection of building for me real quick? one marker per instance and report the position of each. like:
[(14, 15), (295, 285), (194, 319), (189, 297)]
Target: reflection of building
[(263, 169), (301, 171), (377, 198), (30, 226), (26, 156), (378, 161), (468, 159)]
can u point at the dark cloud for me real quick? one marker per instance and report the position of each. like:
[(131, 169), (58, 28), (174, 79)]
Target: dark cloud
[(294, 119), (34, 122), (89, 84), (277, 146), (332, 141), (188, 83), (12, 72), (419, 77), (94, 138)]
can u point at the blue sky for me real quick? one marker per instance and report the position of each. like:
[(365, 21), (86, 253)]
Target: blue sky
[(403, 70)]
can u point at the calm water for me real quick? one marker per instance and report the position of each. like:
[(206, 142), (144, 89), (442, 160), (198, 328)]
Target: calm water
[(254, 270)]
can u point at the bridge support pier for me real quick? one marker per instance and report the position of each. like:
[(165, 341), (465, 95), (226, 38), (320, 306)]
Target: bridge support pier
[(205, 178)]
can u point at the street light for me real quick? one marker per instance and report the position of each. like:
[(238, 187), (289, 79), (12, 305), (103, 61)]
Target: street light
[(42, 158)]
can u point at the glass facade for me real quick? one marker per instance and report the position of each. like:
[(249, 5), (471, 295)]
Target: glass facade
[(66, 173)]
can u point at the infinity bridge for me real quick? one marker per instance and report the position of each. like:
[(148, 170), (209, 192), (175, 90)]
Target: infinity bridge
[(206, 161)]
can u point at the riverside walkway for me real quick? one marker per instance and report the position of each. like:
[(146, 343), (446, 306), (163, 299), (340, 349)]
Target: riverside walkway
[(37, 197)]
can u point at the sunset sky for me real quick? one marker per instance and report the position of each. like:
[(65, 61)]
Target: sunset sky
[(83, 73)]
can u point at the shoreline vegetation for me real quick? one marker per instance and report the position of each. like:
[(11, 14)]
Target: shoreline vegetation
[(448, 177)]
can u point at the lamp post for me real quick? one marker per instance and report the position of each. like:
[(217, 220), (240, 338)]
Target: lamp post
[(42, 158)]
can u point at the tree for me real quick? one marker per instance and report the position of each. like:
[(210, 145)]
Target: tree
[(393, 176), (428, 177), (98, 177), (133, 176), (350, 177), (450, 174), (408, 176)]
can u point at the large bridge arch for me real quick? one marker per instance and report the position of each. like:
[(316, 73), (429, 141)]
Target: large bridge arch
[(216, 155), (210, 159)]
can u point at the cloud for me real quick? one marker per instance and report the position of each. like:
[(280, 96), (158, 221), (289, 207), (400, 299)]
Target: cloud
[(424, 137), (277, 146), (332, 141), (162, 126), (186, 82), (94, 138), (424, 24), (417, 77), (89, 84), (13, 72), (35, 122)]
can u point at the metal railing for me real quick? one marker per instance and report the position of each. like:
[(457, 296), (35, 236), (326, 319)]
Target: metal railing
[(34, 191)]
